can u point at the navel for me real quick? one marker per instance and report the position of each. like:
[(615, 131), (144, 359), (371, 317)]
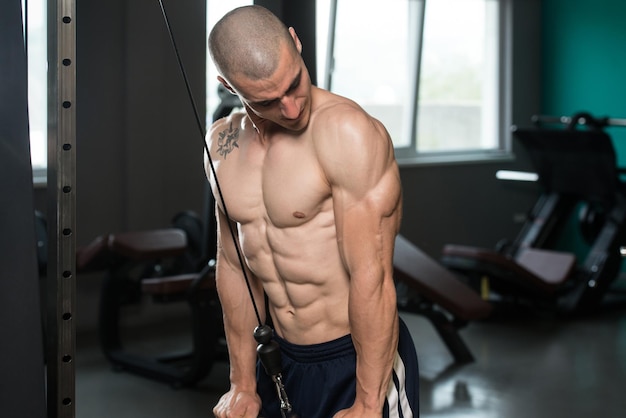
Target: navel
[(299, 215)]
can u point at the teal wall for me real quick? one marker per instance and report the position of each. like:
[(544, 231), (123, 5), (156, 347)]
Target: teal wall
[(584, 61), (584, 68)]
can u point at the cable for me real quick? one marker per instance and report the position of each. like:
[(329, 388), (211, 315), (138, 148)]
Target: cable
[(211, 165), (268, 350)]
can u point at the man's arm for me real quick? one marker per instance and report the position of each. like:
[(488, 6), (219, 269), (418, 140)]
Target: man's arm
[(367, 203), (239, 323)]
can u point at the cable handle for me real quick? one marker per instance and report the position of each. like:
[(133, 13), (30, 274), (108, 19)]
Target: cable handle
[(268, 351)]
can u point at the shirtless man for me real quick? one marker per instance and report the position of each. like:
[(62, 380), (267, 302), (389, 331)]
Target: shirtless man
[(313, 192)]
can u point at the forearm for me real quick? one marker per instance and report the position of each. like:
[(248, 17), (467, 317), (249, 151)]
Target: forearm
[(239, 323), (374, 328)]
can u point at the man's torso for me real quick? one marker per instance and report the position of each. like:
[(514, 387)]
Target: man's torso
[(276, 190)]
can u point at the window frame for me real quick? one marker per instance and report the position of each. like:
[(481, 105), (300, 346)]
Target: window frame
[(40, 173), (410, 154)]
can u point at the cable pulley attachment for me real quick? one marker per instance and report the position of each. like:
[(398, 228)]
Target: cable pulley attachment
[(269, 354)]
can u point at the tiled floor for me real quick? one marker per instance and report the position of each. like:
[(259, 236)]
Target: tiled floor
[(526, 366)]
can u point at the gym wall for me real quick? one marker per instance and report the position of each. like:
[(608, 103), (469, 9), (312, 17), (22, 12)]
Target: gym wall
[(583, 66), (584, 69)]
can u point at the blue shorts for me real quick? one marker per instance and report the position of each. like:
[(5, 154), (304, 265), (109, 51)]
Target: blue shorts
[(320, 379)]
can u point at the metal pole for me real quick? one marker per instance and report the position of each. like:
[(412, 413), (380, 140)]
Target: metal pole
[(417, 15), (330, 45), (61, 275), (566, 120)]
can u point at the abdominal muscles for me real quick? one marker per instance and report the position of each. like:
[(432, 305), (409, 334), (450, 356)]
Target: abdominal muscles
[(304, 278)]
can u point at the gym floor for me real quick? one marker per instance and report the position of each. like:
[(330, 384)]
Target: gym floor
[(527, 365)]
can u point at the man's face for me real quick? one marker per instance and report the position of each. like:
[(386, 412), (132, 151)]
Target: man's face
[(284, 98)]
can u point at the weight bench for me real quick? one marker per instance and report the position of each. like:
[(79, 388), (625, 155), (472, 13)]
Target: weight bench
[(536, 271), (444, 300), (110, 249), (136, 265)]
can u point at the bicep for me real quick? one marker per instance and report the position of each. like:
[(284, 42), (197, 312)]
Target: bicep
[(367, 196), (226, 242), (367, 226), (231, 279)]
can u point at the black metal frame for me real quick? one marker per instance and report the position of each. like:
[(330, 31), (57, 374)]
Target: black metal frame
[(179, 369), (61, 277), (565, 183)]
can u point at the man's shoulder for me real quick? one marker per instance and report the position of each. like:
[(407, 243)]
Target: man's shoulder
[(332, 108), (235, 118), (228, 133), (345, 116), (327, 100), (235, 122), (343, 126)]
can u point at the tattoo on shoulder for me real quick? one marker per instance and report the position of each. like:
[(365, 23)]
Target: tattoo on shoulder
[(227, 140)]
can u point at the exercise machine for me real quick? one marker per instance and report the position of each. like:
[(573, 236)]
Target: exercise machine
[(576, 167), (175, 264), (427, 288), (147, 263)]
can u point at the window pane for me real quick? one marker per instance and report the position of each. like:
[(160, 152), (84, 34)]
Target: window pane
[(35, 18), (458, 76), (371, 62), (322, 26)]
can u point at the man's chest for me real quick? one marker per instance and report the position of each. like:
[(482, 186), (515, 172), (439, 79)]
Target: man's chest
[(282, 183)]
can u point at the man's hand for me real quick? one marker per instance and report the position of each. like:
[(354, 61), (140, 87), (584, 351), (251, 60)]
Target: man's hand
[(238, 404), (355, 412)]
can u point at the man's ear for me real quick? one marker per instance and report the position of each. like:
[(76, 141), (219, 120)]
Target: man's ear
[(225, 84), (296, 40)]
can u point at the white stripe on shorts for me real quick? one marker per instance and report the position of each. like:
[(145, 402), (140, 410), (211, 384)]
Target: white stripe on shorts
[(396, 396)]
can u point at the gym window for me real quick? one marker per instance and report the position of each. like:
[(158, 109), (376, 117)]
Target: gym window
[(374, 53), (35, 39), (378, 50)]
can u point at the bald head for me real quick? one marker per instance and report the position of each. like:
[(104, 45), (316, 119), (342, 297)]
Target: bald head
[(247, 41)]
